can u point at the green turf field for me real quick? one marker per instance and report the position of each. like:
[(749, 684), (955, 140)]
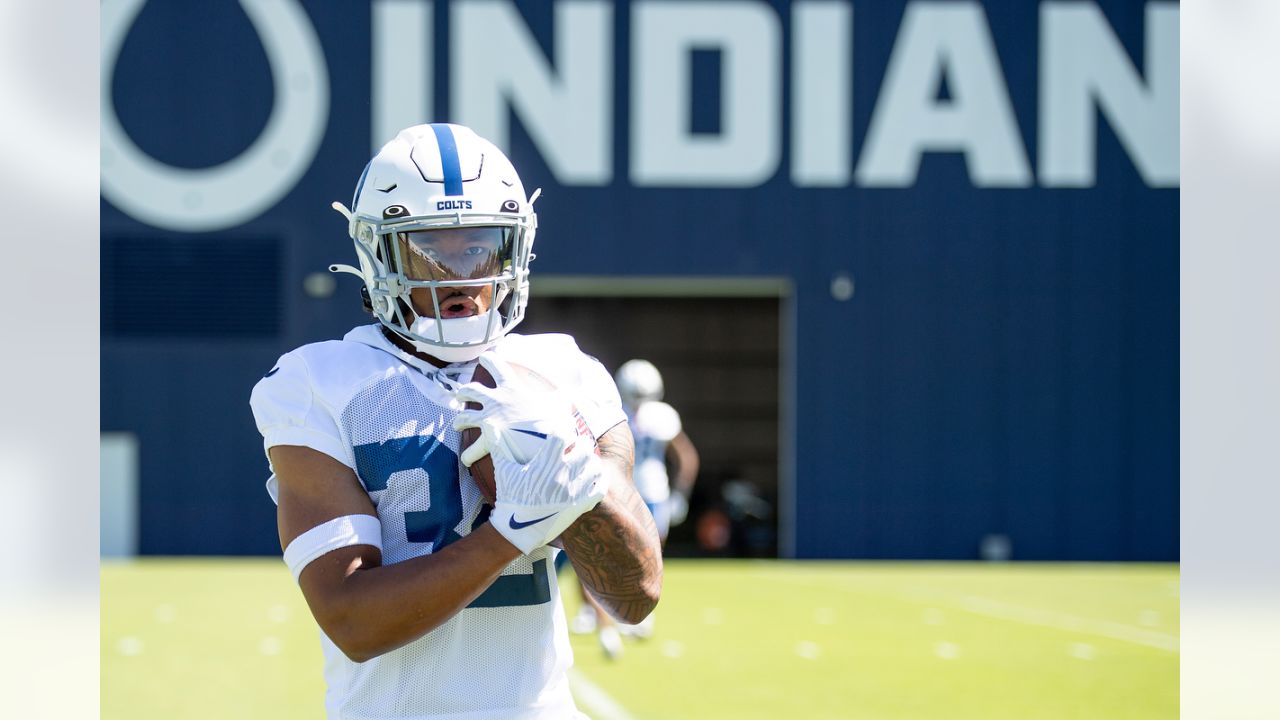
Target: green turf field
[(796, 640)]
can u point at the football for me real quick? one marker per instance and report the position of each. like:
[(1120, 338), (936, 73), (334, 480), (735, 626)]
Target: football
[(482, 469)]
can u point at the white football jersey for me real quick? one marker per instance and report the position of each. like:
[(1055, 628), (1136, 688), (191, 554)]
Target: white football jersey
[(654, 424), (380, 411)]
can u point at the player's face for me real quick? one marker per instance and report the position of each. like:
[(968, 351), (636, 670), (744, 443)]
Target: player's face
[(452, 254)]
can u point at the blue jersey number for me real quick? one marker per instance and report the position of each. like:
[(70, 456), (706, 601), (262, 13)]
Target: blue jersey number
[(377, 462)]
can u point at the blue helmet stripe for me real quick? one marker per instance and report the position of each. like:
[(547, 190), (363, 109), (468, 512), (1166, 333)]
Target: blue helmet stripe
[(449, 159)]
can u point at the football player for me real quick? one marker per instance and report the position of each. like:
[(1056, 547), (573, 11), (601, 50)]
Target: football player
[(660, 441), (434, 600)]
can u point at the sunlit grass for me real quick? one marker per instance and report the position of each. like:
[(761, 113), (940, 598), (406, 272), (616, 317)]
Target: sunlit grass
[(197, 638)]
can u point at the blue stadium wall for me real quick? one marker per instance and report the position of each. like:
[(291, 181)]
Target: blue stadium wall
[(1008, 361)]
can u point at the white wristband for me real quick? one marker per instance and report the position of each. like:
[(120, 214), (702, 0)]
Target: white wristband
[(326, 537)]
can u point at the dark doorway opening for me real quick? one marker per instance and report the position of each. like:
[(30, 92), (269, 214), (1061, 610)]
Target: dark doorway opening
[(721, 363)]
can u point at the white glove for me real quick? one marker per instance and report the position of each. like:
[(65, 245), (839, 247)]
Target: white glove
[(546, 475), (520, 413), (677, 508), (538, 500)]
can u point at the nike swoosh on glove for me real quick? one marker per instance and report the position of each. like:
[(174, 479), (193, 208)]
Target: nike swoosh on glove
[(537, 500)]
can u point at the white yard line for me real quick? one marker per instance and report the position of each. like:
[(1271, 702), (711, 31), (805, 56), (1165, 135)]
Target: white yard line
[(599, 705), (1000, 610), (1063, 621)]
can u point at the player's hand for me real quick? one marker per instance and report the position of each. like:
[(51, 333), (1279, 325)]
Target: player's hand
[(677, 508), (546, 475), (539, 499), (517, 414)]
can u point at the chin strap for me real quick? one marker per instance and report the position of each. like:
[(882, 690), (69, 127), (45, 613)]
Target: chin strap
[(449, 354)]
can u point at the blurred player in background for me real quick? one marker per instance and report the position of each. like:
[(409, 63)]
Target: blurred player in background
[(434, 599), (660, 439), (660, 442)]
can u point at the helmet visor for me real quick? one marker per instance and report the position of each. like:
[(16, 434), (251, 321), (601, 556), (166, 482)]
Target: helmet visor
[(455, 253)]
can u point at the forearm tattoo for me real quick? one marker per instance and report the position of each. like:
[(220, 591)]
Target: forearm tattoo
[(615, 548)]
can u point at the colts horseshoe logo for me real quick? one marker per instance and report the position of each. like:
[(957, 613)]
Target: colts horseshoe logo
[(240, 189)]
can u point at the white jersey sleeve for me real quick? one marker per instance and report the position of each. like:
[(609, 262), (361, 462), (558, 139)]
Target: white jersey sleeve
[(289, 412)]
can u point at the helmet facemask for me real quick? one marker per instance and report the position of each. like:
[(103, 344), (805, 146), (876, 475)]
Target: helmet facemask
[(429, 276)]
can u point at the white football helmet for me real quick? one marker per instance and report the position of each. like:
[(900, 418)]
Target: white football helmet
[(442, 209), (638, 381)]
